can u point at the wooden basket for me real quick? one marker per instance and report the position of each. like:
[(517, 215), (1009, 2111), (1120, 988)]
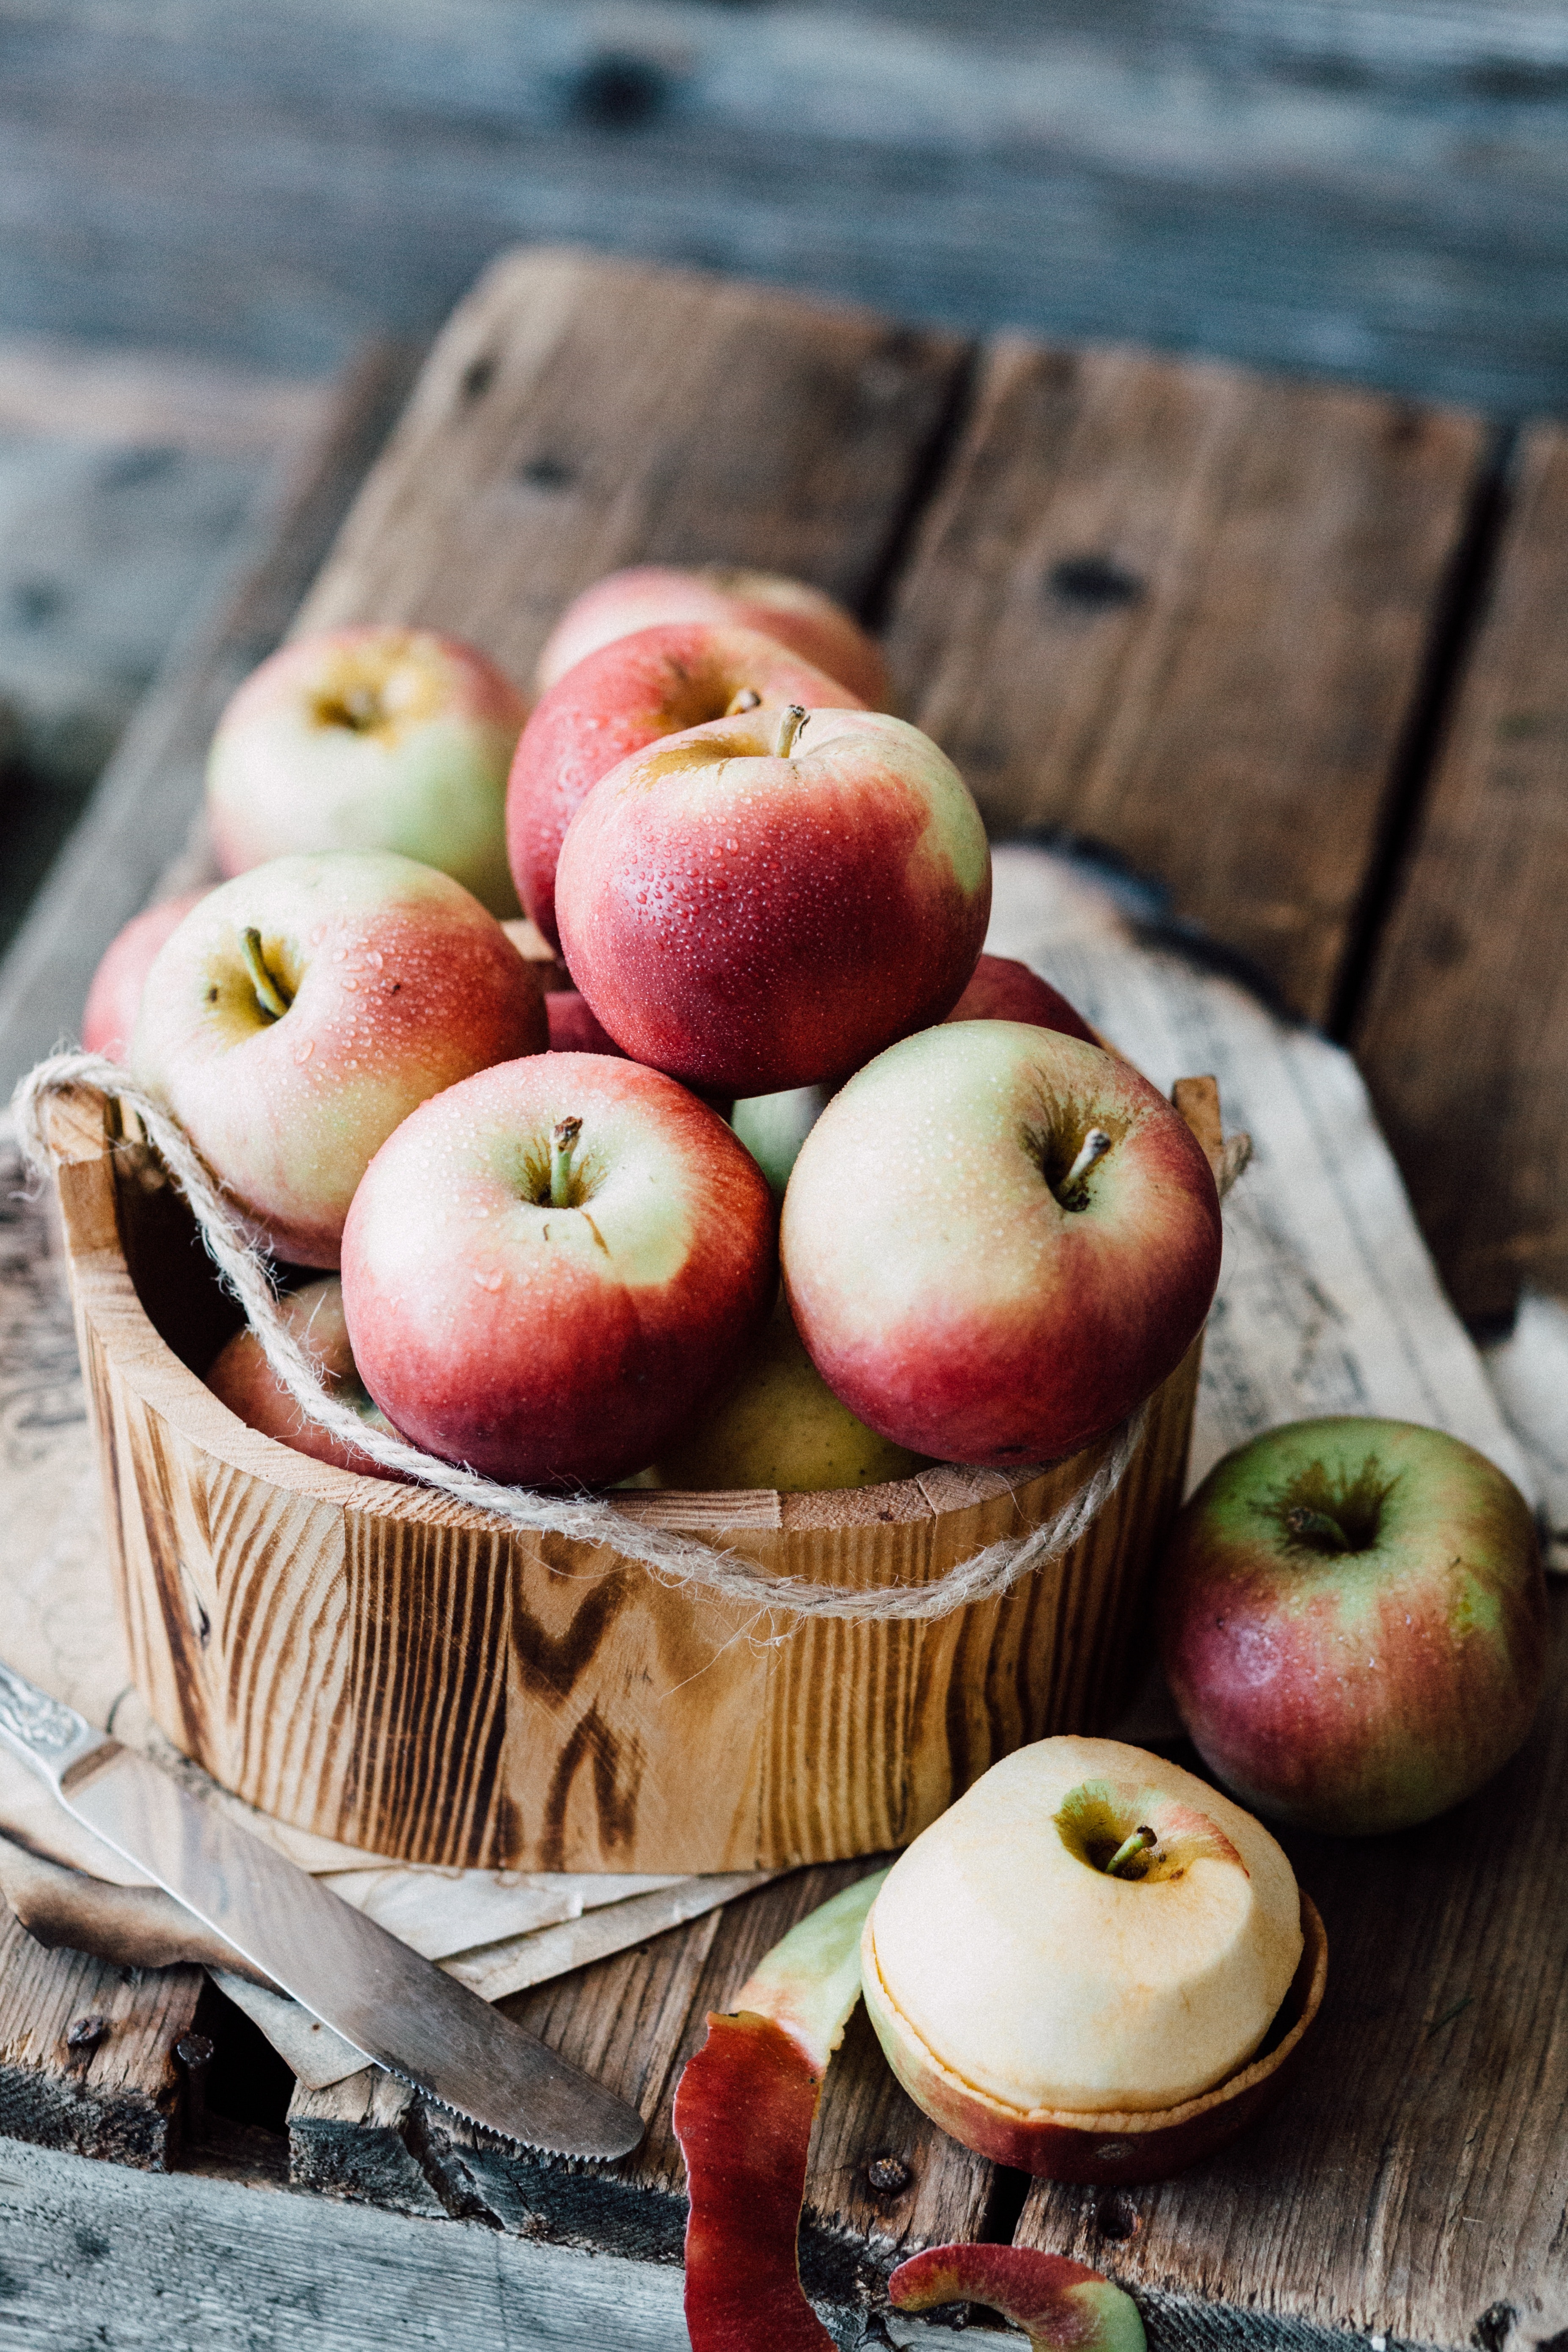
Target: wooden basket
[(390, 1668)]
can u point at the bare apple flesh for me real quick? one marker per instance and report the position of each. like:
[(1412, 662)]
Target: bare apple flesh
[(1062, 2306), (629, 694), (1353, 1619)]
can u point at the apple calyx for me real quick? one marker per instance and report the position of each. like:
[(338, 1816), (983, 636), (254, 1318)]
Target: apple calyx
[(743, 2111), (562, 1144), (1138, 1836), (1330, 1516), (270, 993), (792, 718), (1074, 1193), (1062, 2306), (358, 708)]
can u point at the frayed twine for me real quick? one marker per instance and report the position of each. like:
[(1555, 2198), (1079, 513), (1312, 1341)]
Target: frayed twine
[(675, 1559)]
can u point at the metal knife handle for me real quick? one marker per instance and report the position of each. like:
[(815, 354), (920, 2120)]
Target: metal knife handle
[(44, 1731)]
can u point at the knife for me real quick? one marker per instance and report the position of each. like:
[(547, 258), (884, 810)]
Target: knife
[(399, 2011)]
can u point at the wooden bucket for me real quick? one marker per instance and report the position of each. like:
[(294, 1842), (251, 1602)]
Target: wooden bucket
[(392, 1669)]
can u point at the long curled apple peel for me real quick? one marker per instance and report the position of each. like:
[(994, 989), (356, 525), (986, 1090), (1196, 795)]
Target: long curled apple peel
[(743, 2112), (1060, 2305)]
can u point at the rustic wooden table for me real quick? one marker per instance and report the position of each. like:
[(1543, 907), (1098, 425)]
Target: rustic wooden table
[(1295, 653)]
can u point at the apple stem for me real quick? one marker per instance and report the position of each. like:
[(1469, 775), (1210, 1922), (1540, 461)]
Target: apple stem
[(1094, 1147), (745, 698), (268, 995), (563, 1143), (1130, 1847), (790, 721)]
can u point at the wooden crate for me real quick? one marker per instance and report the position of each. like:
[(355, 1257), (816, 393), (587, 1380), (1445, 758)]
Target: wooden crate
[(392, 1669)]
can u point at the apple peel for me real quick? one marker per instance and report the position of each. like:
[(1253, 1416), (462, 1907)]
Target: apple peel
[(1062, 2306), (743, 2111)]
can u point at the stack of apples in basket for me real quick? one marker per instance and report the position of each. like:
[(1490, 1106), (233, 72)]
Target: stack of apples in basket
[(734, 1163)]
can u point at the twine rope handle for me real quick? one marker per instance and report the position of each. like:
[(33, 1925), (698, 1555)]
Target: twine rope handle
[(675, 1559)]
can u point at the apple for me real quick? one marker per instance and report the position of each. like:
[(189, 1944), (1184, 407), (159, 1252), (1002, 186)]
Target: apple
[(997, 1240), (548, 1268), (241, 1378), (574, 1027), (781, 1426), (1352, 1620), (774, 1127), (370, 738), (1089, 1930), (629, 694), (301, 1011), (764, 901), (1059, 2305), (114, 996), (1002, 989), (807, 620)]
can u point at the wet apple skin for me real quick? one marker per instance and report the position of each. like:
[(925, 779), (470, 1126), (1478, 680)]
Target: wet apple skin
[(1364, 1692)]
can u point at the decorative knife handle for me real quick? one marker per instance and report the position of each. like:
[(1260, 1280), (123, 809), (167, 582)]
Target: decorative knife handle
[(42, 1729)]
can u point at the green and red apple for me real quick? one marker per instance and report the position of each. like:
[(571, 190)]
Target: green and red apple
[(763, 902), (630, 694), (241, 1378), (1353, 1623), (728, 596), (997, 1241), (370, 738), (548, 1268), (301, 1012), (114, 997)]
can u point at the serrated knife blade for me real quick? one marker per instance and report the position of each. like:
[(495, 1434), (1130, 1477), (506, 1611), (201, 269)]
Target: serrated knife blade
[(401, 2011)]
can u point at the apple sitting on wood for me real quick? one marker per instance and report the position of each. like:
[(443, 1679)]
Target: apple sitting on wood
[(114, 997), (549, 1268), (632, 693), (1089, 1930), (808, 621), (763, 902), (997, 1240), (301, 1012), (242, 1379), (1352, 1620), (370, 738)]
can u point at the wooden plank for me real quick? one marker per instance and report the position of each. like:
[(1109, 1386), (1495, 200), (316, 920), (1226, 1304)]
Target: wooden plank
[(1414, 2182), (140, 814), (1183, 612), (578, 414), (116, 2090), (633, 2021), (1463, 1033), (1368, 187)]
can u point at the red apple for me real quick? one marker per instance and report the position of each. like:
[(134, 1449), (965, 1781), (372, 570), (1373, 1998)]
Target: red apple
[(242, 1379), (997, 1241), (303, 1010), (1352, 1620), (763, 902), (574, 1027), (370, 738), (807, 620), (1059, 2305), (628, 695), (548, 1268), (114, 998), (1004, 990)]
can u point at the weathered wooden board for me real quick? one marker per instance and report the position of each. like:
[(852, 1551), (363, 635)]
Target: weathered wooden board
[(1463, 1034), (578, 414), (1184, 611), (1368, 187)]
